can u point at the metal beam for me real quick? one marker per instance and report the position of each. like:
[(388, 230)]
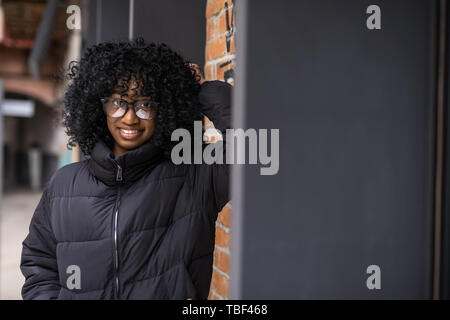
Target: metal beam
[(43, 37)]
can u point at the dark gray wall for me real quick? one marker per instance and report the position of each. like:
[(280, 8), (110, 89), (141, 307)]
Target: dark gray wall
[(105, 20), (445, 266), (114, 20), (180, 24), (355, 113)]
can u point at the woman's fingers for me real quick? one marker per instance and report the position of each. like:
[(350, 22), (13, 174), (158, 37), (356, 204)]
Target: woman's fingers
[(198, 71)]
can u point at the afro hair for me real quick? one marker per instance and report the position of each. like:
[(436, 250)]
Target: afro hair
[(165, 76)]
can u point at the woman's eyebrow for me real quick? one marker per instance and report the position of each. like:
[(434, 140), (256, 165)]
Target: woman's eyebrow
[(118, 92), (131, 97)]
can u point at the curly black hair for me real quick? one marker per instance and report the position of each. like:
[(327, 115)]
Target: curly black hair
[(165, 76)]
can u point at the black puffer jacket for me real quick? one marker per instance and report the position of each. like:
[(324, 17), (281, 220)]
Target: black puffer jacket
[(149, 236)]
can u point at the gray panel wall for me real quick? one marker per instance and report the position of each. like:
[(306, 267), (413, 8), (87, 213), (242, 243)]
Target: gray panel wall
[(355, 113), (105, 20), (180, 24), (114, 19), (445, 266)]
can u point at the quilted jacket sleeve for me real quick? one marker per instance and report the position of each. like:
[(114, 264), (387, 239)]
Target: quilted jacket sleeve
[(215, 98), (38, 261)]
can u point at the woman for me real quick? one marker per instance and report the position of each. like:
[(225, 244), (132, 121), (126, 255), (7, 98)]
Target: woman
[(127, 223)]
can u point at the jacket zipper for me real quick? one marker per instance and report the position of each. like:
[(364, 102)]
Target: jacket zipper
[(116, 214)]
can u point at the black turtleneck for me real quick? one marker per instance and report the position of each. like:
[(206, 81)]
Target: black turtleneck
[(133, 163)]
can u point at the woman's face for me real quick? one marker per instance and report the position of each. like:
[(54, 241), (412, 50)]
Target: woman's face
[(129, 131)]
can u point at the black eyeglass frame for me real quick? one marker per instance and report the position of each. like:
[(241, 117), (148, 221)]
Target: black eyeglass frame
[(153, 105)]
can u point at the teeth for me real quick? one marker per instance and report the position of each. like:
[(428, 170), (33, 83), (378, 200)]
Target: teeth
[(129, 131)]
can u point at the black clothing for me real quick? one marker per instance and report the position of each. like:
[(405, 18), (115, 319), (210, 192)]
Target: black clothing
[(137, 226)]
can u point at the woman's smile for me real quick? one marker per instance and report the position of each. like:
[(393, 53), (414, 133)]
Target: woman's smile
[(130, 134)]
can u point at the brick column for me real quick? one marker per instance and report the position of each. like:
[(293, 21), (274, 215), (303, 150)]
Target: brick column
[(220, 57)]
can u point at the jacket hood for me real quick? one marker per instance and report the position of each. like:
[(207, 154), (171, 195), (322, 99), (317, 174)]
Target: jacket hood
[(127, 167)]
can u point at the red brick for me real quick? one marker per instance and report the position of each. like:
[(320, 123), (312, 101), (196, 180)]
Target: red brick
[(214, 297), (221, 26), (218, 47), (231, 45), (209, 73), (223, 263), (213, 7), (222, 238), (211, 29), (225, 215), (220, 284), (216, 258), (221, 71)]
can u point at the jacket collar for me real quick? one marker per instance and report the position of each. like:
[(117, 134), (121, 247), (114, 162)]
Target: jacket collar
[(127, 167)]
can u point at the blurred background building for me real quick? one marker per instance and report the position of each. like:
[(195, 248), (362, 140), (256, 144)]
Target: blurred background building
[(32, 57), (32, 121)]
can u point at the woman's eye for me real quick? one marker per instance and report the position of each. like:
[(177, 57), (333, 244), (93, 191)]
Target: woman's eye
[(116, 102), (144, 104)]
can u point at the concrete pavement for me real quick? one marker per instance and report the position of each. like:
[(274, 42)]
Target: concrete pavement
[(17, 208)]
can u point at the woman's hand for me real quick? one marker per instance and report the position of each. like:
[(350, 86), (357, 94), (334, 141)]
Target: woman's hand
[(198, 71)]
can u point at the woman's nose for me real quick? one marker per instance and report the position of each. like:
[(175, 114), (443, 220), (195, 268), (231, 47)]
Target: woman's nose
[(130, 117)]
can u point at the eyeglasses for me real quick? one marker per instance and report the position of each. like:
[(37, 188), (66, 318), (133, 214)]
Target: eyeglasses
[(117, 108)]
